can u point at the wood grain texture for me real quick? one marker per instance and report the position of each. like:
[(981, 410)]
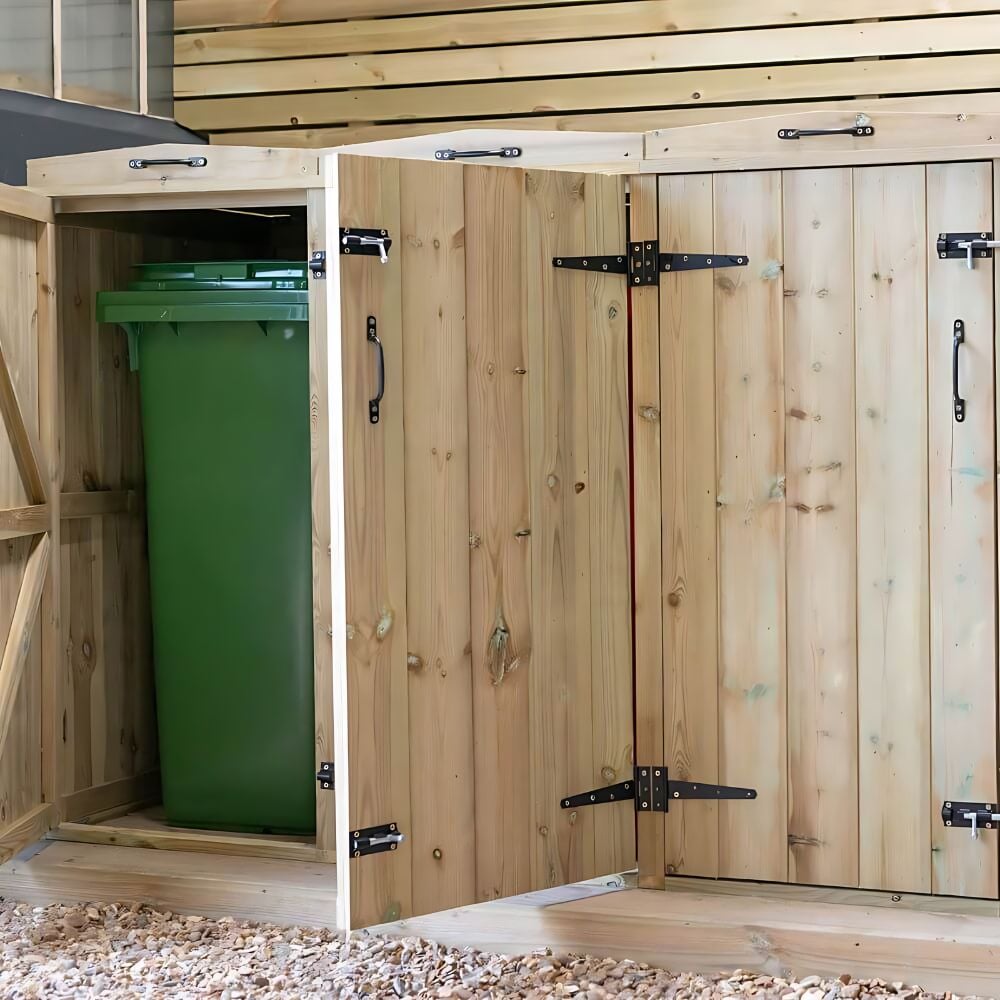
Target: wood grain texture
[(647, 507), (821, 527), (562, 698), (609, 485), (962, 531), (319, 451), (21, 788), (442, 765), (751, 493), (893, 626), (375, 552), (273, 40), (690, 559), (17, 522), (600, 55), (678, 89), (499, 514)]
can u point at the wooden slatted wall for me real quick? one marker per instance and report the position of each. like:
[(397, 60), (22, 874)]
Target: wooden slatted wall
[(282, 72)]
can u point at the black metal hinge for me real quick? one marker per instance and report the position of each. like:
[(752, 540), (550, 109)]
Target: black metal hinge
[(325, 775), (644, 263), (974, 816), (375, 840), (652, 790), (966, 246)]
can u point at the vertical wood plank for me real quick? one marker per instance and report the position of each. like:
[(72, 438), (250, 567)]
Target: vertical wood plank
[(560, 698), (375, 544), (749, 342), (499, 528), (442, 799), (609, 487), (690, 584), (820, 524), (50, 420), (647, 511), (893, 628), (963, 590), (319, 446)]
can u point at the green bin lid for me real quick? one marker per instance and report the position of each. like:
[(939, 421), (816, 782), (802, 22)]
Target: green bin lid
[(208, 292), (235, 274)]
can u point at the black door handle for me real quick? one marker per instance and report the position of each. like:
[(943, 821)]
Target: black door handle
[(373, 404), (504, 152), (183, 161), (957, 399), (860, 131)]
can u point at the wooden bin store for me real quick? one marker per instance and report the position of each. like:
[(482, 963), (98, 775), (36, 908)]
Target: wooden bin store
[(678, 553)]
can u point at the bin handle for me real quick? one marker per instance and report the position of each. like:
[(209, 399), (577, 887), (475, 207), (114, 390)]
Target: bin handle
[(182, 161), (373, 404)]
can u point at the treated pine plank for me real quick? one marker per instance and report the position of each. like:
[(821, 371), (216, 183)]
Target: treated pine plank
[(816, 43), (682, 15), (820, 513), (85, 805), (375, 551), (636, 121), (319, 451), (751, 525), (199, 842), (50, 420), (894, 736), (962, 486), (609, 486), (25, 830), (499, 517), (561, 695), (20, 522), (97, 503), (527, 24), (647, 510), (690, 560), (22, 436), (671, 89), (24, 204), (439, 638), (22, 627), (702, 933)]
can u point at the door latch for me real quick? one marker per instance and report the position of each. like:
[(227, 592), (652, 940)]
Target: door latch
[(375, 840), (368, 242), (974, 816), (966, 246)]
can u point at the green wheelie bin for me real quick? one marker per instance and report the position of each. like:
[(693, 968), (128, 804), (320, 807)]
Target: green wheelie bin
[(222, 353)]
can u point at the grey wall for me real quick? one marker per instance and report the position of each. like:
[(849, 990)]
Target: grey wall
[(32, 126)]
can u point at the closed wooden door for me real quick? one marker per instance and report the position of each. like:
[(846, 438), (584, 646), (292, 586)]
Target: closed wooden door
[(28, 519), (482, 651), (828, 547)]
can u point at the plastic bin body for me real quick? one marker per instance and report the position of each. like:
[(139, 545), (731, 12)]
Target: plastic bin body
[(225, 409)]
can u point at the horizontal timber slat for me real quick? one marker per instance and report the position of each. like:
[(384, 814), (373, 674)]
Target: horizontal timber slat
[(96, 503), (664, 52), (17, 522), (686, 87), (531, 24)]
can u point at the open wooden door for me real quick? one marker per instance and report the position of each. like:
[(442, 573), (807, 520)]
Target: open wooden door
[(482, 648), (28, 514), (824, 519)]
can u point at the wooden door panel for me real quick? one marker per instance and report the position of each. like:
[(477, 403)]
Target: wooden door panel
[(751, 485), (690, 560), (488, 667), (963, 591), (893, 656), (27, 372), (821, 576)]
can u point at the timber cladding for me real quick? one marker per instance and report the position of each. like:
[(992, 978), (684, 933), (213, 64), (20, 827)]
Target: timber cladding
[(281, 72)]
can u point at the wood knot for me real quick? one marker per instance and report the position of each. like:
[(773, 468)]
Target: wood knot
[(650, 413), (674, 598), (608, 774), (384, 625), (414, 662)]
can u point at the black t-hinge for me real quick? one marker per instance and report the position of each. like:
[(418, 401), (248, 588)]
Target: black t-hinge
[(644, 262), (652, 790)]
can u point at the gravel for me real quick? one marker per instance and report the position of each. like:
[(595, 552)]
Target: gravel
[(134, 951)]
